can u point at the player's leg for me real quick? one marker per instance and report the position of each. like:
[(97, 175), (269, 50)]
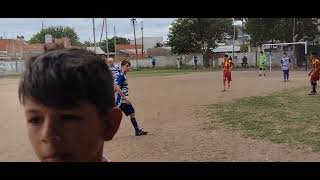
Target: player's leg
[(313, 87), (229, 80), (130, 110), (224, 81), (260, 72), (284, 75), (288, 75)]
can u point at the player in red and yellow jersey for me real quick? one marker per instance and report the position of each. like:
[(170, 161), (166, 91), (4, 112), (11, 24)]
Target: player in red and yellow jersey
[(226, 70), (314, 73)]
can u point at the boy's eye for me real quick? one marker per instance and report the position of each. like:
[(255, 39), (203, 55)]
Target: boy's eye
[(35, 120)]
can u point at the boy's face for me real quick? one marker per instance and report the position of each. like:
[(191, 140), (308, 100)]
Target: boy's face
[(126, 68), (76, 134)]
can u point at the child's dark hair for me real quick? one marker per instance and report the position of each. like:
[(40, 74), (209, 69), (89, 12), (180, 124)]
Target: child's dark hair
[(284, 53), (226, 55), (124, 62), (314, 53), (64, 78), (261, 52)]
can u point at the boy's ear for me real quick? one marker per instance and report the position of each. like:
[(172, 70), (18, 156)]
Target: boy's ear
[(112, 123)]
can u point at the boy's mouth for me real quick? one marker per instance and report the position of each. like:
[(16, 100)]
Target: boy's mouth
[(58, 157)]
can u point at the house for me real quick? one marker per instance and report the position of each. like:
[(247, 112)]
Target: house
[(129, 50), (99, 51), (226, 49), (148, 42), (19, 48)]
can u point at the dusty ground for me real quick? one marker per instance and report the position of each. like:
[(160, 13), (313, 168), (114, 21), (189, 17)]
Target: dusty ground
[(172, 109)]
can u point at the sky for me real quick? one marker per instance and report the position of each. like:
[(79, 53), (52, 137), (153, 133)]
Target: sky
[(27, 27)]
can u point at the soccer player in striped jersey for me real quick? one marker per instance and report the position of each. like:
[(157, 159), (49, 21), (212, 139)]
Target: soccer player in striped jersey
[(314, 74), (123, 97), (226, 70), (286, 66)]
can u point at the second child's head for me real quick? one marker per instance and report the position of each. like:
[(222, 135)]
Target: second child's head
[(284, 54), (226, 56), (125, 65), (68, 99)]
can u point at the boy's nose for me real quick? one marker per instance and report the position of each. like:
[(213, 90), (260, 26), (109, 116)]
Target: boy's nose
[(49, 133)]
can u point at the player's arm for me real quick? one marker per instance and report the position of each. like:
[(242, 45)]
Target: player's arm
[(290, 66)]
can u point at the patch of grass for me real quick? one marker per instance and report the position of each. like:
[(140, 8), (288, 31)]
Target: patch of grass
[(160, 71), (289, 116)]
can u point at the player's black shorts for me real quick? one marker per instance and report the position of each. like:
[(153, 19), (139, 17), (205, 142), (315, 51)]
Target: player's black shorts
[(126, 109)]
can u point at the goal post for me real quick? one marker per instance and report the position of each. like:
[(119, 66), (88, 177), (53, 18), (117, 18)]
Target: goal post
[(305, 43)]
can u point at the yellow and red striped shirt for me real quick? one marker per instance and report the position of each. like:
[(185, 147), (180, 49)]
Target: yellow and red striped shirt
[(227, 65)]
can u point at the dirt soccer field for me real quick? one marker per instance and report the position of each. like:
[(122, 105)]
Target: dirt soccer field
[(173, 110)]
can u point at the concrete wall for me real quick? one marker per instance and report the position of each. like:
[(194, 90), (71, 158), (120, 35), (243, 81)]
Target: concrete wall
[(11, 66), (166, 61)]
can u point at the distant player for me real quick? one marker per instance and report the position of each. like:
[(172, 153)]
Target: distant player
[(314, 73), (226, 70), (195, 61), (262, 63), (286, 66), (115, 69), (123, 97)]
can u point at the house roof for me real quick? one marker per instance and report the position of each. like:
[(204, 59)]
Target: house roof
[(131, 51), (127, 46), (98, 50), (226, 49)]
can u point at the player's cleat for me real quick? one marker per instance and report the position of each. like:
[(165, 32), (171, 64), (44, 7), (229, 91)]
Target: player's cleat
[(313, 93), (141, 132)]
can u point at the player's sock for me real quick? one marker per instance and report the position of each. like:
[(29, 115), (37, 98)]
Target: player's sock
[(135, 124)]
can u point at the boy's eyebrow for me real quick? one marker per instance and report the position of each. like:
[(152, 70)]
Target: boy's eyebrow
[(32, 111)]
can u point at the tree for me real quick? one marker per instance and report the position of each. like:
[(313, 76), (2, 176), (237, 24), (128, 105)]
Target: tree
[(56, 32), (262, 30), (198, 35), (119, 40)]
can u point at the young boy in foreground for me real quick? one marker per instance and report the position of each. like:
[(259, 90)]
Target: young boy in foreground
[(68, 98)]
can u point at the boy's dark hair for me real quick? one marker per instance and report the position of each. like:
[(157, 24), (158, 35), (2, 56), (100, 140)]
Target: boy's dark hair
[(285, 53), (230, 58), (314, 53), (261, 52), (124, 62), (64, 78), (226, 55)]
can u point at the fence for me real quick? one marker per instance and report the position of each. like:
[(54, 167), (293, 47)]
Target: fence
[(12, 66)]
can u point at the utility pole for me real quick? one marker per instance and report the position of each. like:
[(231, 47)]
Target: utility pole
[(234, 34), (142, 40), (105, 19), (294, 40), (133, 20), (101, 30), (94, 35), (115, 41)]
